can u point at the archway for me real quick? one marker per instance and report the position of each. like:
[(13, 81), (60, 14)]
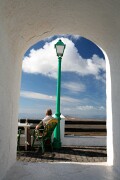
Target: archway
[(34, 62), (23, 24)]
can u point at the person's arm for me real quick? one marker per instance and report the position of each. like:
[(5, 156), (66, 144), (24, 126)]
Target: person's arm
[(39, 125)]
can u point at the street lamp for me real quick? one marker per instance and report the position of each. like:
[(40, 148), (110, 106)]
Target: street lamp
[(60, 47)]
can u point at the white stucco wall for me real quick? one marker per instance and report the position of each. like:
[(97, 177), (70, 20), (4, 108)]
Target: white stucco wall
[(80, 140), (22, 23), (9, 94)]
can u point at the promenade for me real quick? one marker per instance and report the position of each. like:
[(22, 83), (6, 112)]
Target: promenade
[(65, 154), (75, 126)]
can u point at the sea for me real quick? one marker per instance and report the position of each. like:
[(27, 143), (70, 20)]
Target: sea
[(41, 116)]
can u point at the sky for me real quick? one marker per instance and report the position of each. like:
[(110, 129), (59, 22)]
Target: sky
[(83, 79)]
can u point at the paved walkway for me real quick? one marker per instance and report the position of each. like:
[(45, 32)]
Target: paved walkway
[(65, 154)]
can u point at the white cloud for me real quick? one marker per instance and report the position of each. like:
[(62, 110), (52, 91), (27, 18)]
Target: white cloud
[(87, 108), (44, 61), (74, 87), (34, 95), (70, 106), (84, 108), (68, 99), (75, 37), (86, 111), (101, 108)]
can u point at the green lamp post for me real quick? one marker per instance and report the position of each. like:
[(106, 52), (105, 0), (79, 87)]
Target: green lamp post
[(60, 47)]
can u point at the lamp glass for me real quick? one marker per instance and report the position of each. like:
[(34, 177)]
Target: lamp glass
[(60, 47)]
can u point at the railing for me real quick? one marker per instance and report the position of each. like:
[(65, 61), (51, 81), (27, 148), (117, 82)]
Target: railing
[(88, 133), (85, 127)]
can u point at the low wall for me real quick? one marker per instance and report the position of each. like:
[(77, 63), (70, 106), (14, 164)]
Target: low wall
[(84, 141), (80, 140), (71, 140)]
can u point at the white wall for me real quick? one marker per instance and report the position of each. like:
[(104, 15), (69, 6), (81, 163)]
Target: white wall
[(84, 141), (22, 23), (9, 94), (80, 140)]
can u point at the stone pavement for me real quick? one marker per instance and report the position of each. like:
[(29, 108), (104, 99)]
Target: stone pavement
[(65, 154)]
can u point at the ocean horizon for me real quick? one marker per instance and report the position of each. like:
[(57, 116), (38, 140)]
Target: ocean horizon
[(41, 116)]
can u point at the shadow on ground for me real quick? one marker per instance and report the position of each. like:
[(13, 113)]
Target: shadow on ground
[(64, 154)]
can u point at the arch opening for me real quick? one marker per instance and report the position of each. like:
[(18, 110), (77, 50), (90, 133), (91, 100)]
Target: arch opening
[(67, 86)]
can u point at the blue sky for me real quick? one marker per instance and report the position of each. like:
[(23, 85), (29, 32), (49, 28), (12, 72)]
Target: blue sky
[(83, 83)]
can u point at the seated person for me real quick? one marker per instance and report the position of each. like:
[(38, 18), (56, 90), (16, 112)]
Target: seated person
[(53, 120), (48, 120), (45, 120)]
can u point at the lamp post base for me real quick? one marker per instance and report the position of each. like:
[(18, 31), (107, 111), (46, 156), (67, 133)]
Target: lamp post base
[(57, 140), (56, 144)]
